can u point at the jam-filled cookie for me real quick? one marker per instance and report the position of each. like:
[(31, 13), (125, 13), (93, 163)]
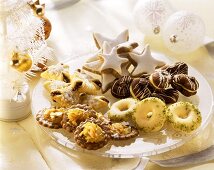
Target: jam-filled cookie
[(92, 134), (50, 118), (75, 115), (57, 72), (85, 84), (98, 103), (187, 85), (121, 86), (51, 85), (65, 97), (122, 131)]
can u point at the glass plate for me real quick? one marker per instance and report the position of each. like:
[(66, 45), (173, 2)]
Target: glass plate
[(145, 144)]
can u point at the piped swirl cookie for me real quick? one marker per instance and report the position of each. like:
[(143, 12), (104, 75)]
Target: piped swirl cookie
[(50, 117), (92, 134), (187, 85), (75, 115), (122, 131)]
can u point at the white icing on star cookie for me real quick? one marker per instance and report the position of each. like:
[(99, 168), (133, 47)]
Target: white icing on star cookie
[(144, 62), (107, 80), (99, 40), (112, 61)]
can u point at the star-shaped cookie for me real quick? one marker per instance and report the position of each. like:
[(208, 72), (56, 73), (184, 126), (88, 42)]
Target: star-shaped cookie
[(121, 38), (112, 61), (144, 62)]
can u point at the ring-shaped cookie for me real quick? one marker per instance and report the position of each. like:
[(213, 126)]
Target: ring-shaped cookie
[(184, 116), (150, 114), (122, 109)]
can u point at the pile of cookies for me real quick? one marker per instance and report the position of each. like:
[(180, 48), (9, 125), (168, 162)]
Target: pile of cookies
[(142, 85)]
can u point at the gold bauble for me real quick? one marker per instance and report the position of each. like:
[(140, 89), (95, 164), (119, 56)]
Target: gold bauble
[(21, 62), (47, 26)]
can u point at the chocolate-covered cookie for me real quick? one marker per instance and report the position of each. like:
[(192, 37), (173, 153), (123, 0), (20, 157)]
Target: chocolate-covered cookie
[(187, 85), (140, 88), (160, 79), (169, 96), (120, 87), (177, 68)]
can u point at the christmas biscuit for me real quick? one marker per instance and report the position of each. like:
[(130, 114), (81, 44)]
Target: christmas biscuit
[(92, 134), (50, 118)]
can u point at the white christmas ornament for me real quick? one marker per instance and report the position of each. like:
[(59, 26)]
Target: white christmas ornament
[(150, 15), (183, 32)]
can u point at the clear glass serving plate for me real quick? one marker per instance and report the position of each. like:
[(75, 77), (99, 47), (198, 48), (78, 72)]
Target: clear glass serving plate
[(143, 145)]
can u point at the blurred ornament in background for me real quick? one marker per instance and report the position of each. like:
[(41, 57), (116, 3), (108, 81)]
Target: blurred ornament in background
[(150, 15), (22, 62), (183, 32), (39, 11)]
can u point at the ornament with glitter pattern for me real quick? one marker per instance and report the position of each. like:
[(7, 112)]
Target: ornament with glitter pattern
[(150, 15), (183, 32)]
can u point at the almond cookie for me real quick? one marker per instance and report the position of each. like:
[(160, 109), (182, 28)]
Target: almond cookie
[(50, 118), (122, 131), (75, 115), (187, 85), (57, 72), (121, 86), (92, 134)]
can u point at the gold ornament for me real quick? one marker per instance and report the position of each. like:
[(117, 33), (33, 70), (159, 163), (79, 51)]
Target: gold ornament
[(47, 26), (39, 11), (21, 62), (173, 38)]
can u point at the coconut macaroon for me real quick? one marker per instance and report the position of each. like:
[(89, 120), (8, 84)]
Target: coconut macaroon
[(184, 116)]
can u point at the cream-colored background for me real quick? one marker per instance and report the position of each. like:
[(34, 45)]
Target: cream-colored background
[(23, 145)]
